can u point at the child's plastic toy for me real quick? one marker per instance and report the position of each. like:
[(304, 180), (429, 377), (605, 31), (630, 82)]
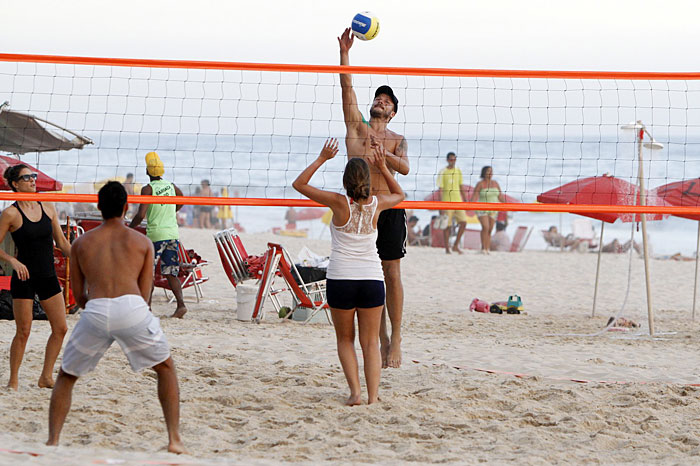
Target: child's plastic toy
[(515, 305), (499, 307), (479, 305)]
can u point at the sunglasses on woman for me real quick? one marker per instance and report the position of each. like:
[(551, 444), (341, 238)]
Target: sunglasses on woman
[(29, 176)]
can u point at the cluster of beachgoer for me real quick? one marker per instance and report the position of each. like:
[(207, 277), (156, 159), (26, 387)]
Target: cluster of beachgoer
[(368, 241), (116, 305), (451, 189), (364, 275)]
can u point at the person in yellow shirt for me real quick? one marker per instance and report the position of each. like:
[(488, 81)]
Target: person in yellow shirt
[(450, 184)]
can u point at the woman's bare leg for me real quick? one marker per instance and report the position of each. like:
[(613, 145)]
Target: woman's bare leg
[(56, 312), (485, 237), (344, 323), (22, 310), (490, 224), (369, 320)]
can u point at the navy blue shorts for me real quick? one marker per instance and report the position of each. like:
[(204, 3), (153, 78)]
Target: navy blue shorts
[(351, 294), (43, 287)]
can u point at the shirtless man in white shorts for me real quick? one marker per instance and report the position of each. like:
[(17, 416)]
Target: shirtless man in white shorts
[(111, 278)]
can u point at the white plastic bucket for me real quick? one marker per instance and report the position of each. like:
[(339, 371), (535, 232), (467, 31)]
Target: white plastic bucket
[(245, 301)]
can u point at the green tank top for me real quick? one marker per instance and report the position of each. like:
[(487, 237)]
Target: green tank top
[(489, 194), (162, 218)]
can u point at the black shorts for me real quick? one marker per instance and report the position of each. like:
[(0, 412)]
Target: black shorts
[(350, 294), (44, 287), (391, 234)]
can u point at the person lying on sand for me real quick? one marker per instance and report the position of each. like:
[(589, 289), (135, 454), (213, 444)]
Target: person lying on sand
[(622, 322)]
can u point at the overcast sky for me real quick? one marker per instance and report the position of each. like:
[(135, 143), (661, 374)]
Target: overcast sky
[(534, 34)]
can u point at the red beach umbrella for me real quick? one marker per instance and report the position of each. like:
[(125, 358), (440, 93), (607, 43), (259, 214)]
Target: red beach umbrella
[(684, 193), (606, 190), (43, 182)]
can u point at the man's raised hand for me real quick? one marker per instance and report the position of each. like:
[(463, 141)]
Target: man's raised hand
[(345, 40), (378, 156)]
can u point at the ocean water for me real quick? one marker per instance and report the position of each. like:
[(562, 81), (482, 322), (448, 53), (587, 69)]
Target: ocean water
[(264, 166)]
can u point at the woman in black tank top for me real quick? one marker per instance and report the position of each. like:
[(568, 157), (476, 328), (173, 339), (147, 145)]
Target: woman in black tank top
[(34, 227)]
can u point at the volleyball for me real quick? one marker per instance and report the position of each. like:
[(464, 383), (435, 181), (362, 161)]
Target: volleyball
[(365, 26)]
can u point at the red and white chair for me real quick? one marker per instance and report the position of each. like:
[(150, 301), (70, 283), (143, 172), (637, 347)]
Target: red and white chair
[(310, 296), (241, 266)]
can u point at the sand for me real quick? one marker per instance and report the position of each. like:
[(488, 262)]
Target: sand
[(272, 393)]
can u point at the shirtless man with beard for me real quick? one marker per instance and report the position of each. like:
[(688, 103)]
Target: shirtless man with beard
[(361, 136)]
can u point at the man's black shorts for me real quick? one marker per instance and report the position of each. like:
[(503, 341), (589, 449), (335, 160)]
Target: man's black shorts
[(391, 234)]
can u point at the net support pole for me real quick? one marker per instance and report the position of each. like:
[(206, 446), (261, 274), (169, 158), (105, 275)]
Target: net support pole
[(642, 202), (695, 282), (597, 269)]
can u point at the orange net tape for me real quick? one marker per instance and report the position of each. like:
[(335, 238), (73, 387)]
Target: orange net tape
[(426, 205)]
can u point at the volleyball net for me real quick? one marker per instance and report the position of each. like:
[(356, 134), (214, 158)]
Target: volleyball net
[(249, 129)]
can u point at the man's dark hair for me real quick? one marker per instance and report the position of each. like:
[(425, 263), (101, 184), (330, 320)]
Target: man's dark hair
[(111, 200), (129, 175), (390, 92), (500, 226), (413, 219), (451, 154)]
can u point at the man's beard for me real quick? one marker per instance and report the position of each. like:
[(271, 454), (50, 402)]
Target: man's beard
[(377, 113)]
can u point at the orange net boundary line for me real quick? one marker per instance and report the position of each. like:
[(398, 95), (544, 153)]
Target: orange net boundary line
[(385, 70), (425, 205)]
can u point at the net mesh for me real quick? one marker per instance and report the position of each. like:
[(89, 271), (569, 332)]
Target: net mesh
[(250, 132)]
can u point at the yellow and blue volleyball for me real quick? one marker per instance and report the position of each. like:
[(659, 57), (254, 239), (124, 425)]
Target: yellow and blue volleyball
[(365, 26)]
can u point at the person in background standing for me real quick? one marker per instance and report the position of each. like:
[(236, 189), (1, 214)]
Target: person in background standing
[(450, 186), (162, 227), (487, 190), (205, 210)]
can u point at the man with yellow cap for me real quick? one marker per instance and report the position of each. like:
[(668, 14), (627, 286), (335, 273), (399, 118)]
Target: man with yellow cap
[(162, 227)]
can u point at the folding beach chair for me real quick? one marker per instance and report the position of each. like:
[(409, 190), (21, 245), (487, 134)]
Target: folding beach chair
[(241, 266), (238, 264), (233, 256), (191, 274), (584, 232), (522, 234), (311, 296)]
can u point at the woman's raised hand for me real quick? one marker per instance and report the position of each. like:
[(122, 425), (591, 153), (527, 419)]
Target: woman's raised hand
[(330, 149)]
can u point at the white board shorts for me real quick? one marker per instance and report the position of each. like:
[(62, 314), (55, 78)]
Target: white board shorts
[(125, 319)]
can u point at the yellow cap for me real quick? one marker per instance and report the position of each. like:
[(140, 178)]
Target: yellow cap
[(154, 166)]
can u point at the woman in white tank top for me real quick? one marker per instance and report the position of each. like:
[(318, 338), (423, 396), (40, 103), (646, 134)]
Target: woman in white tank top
[(355, 280)]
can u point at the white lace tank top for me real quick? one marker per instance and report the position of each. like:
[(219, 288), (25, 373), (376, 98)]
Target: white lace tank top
[(353, 246)]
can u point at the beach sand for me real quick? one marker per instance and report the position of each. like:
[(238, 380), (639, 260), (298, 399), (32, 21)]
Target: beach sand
[(273, 392)]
